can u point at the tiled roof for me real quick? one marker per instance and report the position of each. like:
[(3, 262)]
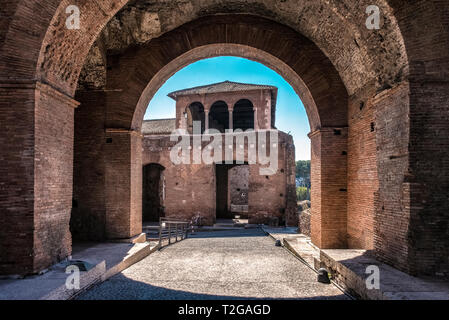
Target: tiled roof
[(162, 126), (226, 86)]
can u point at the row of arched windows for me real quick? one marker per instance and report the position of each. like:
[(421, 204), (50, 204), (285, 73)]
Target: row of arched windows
[(219, 116)]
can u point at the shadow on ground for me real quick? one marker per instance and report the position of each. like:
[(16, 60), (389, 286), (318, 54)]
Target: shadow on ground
[(240, 264), (136, 290)]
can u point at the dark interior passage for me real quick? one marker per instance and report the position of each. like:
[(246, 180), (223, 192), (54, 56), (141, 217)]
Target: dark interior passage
[(243, 116), (219, 116), (232, 186), (153, 193), (195, 113), (222, 191)]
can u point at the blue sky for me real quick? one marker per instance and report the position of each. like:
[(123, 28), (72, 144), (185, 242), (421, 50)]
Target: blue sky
[(290, 113)]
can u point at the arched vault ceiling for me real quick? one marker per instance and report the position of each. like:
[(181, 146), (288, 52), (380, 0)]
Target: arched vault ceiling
[(407, 44), (338, 28)]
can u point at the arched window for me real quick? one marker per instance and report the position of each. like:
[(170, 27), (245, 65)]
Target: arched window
[(219, 116), (243, 116), (195, 112)]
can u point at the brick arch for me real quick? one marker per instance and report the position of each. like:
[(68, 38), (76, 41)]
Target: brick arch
[(237, 50), (219, 101), (189, 104), (304, 66), (243, 99), (49, 52)]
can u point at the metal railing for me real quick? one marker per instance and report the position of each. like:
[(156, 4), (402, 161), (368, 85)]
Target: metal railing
[(169, 228)]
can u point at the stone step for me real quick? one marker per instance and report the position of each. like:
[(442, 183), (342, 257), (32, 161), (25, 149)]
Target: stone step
[(152, 232), (150, 227)]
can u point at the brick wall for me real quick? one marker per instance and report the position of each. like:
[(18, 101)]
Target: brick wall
[(53, 174), (362, 172), (190, 189), (37, 142), (17, 180), (428, 179), (123, 192), (391, 215)]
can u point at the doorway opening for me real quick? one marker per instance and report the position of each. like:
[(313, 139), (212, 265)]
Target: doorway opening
[(232, 191), (153, 193)]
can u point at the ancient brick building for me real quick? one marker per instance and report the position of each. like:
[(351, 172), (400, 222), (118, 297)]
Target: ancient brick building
[(72, 102), (229, 187)]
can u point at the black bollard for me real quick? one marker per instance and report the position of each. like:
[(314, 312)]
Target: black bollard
[(323, 276)]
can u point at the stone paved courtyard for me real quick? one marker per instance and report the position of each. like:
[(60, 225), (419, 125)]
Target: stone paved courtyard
[(241, 264)]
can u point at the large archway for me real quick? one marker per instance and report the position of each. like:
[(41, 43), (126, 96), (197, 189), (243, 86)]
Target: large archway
[(388, 91), (319, 85)]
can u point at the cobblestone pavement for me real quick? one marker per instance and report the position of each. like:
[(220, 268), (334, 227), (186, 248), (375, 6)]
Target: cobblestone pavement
[(242, 264)]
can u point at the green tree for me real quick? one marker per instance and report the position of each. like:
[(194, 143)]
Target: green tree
[(302, 193)]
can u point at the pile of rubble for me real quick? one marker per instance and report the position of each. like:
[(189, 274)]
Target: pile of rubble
[(304, 208)]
